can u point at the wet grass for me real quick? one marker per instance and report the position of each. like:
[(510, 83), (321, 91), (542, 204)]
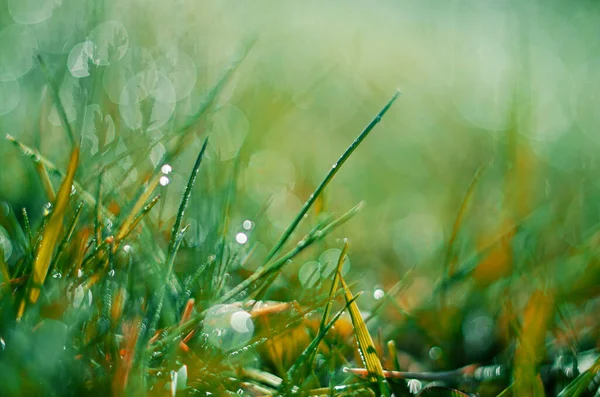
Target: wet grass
[(103, 296)]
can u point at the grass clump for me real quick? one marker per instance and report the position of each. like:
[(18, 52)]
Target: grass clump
[(93, 302)]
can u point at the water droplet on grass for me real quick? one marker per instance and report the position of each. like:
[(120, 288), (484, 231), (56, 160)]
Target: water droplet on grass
[(241, 238), (378, 293), (166, 169), (435, 353), (47, 209), (164, 180)]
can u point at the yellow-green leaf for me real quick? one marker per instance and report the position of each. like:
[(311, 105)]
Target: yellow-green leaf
[(366, 347), (52, 231)]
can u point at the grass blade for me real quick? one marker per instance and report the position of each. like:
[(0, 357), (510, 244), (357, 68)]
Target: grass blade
[(67, 239), (315, 235), (334, 286), (177, 235), (294, 374), (449, 264), (334, 170), (36, 157), (46, 183), (50, 237), (366, 347)]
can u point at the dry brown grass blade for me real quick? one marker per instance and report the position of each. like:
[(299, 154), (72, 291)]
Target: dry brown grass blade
[(52, 231)]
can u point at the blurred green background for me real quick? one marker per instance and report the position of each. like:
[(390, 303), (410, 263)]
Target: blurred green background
[(508, 85)]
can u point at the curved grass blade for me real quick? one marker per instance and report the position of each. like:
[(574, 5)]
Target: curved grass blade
[(50, 236), (334, 170)]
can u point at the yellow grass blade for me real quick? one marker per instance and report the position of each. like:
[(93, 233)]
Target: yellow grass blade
[(139, 204), (366, 347), (530, 352), (52, 231)]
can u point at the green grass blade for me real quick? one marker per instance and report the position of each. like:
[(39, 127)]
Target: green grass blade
[(27, 227), (334, 286), (67, 239), (176, 234), (310, 238), (294, 374), (316, 235), (332, 172)]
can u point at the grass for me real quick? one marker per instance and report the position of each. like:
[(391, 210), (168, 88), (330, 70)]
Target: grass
[(106, 295), (149, 334)]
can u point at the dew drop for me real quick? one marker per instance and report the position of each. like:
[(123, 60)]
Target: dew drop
[(164, 180), (241, 238), (247, 224), (378, 293), (435, 353), (47, 209), (166, 169)]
